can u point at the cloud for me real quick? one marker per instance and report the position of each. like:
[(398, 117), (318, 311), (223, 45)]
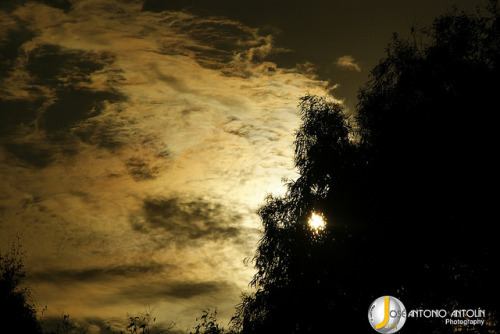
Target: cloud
[(175, 290), (29, 153), (61, 276), (41, 112), (187, 222), (135, 148), (13, 34), (347, 63), (140, 169)]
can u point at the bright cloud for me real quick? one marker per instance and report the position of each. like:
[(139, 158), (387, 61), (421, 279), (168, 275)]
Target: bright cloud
[(348, 63)]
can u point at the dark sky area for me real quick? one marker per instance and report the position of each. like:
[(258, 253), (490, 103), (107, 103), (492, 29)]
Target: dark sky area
[(138, 139)]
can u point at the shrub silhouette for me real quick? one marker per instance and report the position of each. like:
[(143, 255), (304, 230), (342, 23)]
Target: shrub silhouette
[(208, 323), (16, 306)]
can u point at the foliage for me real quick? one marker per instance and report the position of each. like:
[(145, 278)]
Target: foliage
[(68, 326), (403, 189), (144, 323), (140, 324), (16, 306), (295, 265), (209, 324)]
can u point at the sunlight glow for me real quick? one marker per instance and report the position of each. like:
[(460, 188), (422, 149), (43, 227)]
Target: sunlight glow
[(316, 222)]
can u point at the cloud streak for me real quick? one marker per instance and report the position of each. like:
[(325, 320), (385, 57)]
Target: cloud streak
[(97, 273), (187, 222)]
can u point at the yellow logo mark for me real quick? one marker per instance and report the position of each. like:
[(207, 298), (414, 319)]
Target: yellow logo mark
[(386, 314)]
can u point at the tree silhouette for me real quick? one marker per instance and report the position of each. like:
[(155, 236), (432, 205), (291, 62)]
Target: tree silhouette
[(403, 189), (16, 307)]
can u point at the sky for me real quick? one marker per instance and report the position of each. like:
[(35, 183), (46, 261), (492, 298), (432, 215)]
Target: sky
[(138, 138)]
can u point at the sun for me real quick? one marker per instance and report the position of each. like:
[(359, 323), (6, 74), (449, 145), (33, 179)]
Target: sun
[(316, 222)]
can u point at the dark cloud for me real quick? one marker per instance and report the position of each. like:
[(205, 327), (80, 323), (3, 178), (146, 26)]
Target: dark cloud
[(176, 289), (10, 43), (30, 154), (236, 127), (64, 71), (61, 4), (103, 133), (99, 273), (52, 65), (58, 105), (15, 114), (13, 4), (188, 221), (73, 105), (141, 170)]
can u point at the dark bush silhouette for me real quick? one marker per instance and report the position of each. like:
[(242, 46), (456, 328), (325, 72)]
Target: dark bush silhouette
[(404, 188), (67, 325), (209, 324), (16, 306)]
